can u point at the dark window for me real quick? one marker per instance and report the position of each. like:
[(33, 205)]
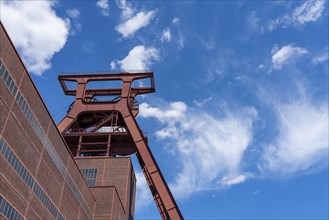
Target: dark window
[(5, 76), (2, 70), (89, 175)]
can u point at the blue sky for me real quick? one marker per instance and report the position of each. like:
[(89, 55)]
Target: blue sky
[(239, 120)]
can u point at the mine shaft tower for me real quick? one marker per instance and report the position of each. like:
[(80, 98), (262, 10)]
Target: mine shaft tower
[(101, 123)]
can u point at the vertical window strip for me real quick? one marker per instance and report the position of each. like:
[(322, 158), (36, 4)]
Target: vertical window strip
[(49, 148), (87, 210), (9, 211), (28, 179), (73, 188)]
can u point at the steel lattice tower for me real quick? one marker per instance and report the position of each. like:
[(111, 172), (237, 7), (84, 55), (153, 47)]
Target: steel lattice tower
[(98, 126)]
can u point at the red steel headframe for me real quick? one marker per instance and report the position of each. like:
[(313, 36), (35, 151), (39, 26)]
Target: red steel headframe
[(124, 105)]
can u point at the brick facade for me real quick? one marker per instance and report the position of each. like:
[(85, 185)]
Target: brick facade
[(39, 177)]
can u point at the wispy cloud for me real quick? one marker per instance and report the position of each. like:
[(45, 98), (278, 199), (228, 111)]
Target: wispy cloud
[(140, 20), (253, 21), (87, 46), (286, 54), (166, 35), (103, 5), (73, 13), (209, 44), (180, 39), (302, 142), (235, 180), (74, 23), (138, 58), (211, 148), (37, 36), (127, 9), (321, 57), (309, 11), (201, 103), (222, 63)]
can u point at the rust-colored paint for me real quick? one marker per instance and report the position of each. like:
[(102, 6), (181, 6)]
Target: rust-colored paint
[(81, 128)]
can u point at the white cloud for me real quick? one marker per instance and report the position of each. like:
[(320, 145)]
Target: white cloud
[(175, 20), (176, 110), (322, 57), (37, 36), (73, 13), (209, 44), (75, 25), (229, 181), (138, 58), (140, 20), (302, 142), (203, 102), (181, 41), (261, 67), (113, 65), (309, 11), (286, 54), (253, 21), (211, 149), (104, 7), (166, 35), (127, 10)]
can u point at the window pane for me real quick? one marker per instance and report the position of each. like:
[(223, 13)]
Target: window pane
[(11, 213), (14, 215), (7, 152), (14, 90), (5, 76), (28, 116), (18, 96), (23, 104), (2, 70), (12, 86), (26, 109), (14, 163), (20, 103), (17, 165), (31, 182), (5, 210), (11, 156), (4, 148), (1, 143), (9, 80)]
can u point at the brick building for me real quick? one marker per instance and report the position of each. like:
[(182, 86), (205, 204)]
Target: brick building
[(39, 177)]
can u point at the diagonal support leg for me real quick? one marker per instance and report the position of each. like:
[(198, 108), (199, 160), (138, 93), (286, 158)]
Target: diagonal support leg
[(160, 191)]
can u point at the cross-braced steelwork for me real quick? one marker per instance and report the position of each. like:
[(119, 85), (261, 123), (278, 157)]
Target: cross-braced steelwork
[(101, 123)]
